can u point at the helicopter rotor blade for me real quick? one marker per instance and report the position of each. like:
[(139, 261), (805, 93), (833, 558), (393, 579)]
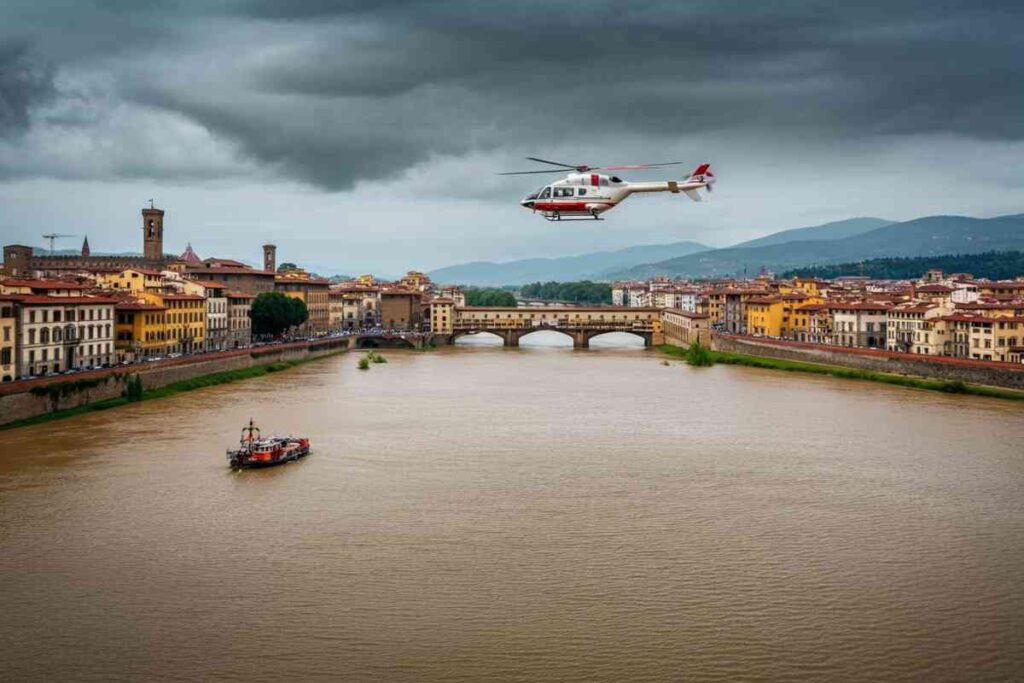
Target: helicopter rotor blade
[(637, 167), (553, 163), (532, 172)]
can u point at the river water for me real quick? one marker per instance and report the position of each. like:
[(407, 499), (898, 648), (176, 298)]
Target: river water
[(482, 514)]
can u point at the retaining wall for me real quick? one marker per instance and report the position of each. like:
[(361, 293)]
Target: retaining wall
[(975, 372), (17, 402)]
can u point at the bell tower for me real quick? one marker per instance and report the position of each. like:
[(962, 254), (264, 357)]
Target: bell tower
[(270, 257), (153, 233)]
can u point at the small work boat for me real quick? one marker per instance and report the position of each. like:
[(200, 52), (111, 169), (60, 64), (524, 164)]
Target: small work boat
[(255, 451)]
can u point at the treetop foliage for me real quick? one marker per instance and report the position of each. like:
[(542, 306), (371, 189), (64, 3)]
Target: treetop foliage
[(583, 291), (993, 265), (275, 312)]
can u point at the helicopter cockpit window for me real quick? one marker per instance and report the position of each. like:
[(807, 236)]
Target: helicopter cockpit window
[(546, 193), (533, 195), (616, 179)]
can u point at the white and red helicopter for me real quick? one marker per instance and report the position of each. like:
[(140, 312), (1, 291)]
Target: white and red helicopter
[(585, 194)]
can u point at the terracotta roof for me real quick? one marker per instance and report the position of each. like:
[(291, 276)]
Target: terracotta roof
[(144, 271), (65, 300), (935, 289), (812, 308), (240, 295), (862, 306), (957, 317), (686, 314), (916, 308), (182, 297), (231, 270), (43, 284)]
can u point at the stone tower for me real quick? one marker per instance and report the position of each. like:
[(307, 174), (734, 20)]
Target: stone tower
[(85, 247), (153, 234), (270, 257)]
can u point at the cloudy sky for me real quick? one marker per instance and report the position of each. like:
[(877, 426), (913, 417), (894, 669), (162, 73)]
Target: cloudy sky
[(366, 136)]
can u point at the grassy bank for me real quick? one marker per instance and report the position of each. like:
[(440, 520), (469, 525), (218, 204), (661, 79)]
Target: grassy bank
[(943, 385), (166, 390)]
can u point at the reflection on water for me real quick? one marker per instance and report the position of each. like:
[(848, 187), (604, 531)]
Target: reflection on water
[(521, 514)]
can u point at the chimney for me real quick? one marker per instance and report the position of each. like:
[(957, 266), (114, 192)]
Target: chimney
[(270, 257)]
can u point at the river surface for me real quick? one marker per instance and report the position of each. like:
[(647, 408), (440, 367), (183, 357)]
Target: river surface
[(482, 514)]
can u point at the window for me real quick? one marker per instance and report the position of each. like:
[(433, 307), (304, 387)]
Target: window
[(546, 193)]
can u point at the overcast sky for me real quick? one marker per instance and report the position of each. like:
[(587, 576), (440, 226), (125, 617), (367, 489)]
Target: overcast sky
[(365, 136)]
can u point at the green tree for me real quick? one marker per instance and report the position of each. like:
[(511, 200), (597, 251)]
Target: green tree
[(583, 292), (995, 265), (489, 297), (286, 266), (275, 312)]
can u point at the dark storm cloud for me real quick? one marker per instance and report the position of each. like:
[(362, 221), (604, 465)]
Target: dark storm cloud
[(24, 83), (336, 92)]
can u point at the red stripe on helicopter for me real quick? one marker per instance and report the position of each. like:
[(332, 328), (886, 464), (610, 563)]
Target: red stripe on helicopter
[(595, 179), (566, 206)]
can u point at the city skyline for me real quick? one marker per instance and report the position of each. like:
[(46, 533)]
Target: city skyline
[(248, 120)]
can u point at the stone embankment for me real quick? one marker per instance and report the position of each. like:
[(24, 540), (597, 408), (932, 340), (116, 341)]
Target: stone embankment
[(989, 373), (30, 398)]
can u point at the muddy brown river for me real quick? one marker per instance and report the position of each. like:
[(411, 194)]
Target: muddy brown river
[(483, 514)]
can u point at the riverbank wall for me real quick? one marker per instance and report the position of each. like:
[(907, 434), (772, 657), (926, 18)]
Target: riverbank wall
[(988, 373), (28, 399)]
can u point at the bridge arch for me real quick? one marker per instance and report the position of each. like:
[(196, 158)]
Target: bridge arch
[(551, 333), (478, 338), (619, 339), (384, 343)]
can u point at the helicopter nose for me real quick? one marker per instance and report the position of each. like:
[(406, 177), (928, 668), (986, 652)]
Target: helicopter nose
[(526, 203)]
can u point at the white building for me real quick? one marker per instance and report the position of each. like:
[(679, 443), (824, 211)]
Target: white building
[(860, 324), (57, 333)]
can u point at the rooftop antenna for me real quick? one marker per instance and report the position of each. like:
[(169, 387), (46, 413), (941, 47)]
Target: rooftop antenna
[(150, 203)]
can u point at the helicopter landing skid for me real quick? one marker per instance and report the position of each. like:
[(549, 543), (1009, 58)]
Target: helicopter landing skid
[(573, 218)]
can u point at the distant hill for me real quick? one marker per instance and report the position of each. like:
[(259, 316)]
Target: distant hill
[(994, 265), (562, 269), (829, 231), (931, 236)]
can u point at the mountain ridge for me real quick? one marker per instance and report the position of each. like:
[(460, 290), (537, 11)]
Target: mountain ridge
[(925, 236), (582, 266)]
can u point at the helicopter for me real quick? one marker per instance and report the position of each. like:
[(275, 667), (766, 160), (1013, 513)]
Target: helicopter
[(585, 194)]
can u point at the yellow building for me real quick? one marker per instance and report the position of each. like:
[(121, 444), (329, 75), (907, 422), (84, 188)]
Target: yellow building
[(416, 280), (716, 305), (764, 316), (185, 320), (134, 280), (442, 316), (8, 339), (141, 330), (810, 286)]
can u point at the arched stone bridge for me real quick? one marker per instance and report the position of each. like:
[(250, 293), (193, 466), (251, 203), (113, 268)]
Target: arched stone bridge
[(580, 324)]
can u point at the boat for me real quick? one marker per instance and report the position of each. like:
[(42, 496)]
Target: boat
[(255, 451)]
